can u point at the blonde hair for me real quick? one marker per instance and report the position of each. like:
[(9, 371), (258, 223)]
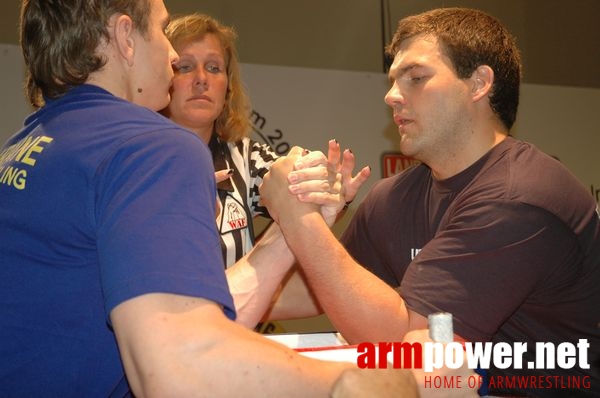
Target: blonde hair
[(233, 123)]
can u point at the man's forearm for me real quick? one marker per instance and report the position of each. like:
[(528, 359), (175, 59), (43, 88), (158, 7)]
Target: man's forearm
[(360, 305), (295, 299), (256, 278)]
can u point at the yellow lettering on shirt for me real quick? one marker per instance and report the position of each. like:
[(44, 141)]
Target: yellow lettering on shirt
[(35, 147), (25, 152), (14, 177)]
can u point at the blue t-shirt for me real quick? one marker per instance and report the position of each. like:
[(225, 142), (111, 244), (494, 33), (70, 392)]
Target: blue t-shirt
[(100, 201)]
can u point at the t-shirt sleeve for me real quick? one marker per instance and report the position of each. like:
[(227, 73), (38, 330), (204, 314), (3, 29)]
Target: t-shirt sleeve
[(485, 263), (155, 215)]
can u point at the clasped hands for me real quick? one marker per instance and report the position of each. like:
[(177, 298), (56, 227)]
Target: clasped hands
[(306, 181)]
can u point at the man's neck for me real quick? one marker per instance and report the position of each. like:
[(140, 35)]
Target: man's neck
[(454, 163)]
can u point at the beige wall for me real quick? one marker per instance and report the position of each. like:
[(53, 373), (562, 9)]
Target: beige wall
[(559, 39)]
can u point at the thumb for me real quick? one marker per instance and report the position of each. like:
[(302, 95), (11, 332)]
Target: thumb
[(222, 175)]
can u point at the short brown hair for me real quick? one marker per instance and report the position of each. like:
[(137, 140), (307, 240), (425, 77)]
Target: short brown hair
[(59, 39), (471, 38)]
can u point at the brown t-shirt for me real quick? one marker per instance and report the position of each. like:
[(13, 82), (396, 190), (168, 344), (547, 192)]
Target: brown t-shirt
[(510, 246)]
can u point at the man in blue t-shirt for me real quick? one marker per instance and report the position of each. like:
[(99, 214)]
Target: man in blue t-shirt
[(111, 279), (111, 273)]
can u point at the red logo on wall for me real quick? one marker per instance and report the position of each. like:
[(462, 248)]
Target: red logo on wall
[(394, 162)]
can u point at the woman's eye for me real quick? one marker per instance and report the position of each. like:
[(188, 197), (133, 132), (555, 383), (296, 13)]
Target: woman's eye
[(183, 67), (213, 68)]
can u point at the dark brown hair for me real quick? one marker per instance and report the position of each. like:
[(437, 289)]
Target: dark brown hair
[(59, 39), (471, 38)]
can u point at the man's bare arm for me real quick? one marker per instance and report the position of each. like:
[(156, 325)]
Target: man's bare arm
[(358, 303), (180, 346)]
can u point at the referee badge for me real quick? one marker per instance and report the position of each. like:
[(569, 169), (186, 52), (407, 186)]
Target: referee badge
[(233, 216)]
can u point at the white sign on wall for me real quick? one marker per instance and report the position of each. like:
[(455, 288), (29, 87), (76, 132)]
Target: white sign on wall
[(307, 107)]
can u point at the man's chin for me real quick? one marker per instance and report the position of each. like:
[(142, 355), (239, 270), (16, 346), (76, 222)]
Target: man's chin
[(157, 106), (406, 147)]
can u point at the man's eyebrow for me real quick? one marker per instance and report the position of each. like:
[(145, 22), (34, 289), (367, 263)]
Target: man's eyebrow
[(409, 67), (394, 73)]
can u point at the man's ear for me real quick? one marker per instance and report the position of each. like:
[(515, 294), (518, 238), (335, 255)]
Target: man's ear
[(482, 81), (122, 31)]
